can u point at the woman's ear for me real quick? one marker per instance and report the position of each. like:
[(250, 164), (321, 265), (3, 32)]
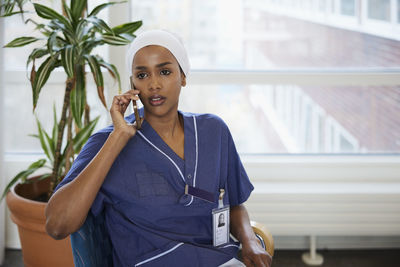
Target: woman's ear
[(183, 81)]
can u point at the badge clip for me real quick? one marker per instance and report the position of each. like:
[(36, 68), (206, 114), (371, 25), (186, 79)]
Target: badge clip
[(199, 193)]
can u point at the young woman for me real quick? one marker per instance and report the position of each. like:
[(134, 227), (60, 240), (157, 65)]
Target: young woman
[(157, 186)]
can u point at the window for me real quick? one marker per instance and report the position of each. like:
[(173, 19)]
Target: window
[(15, 27), (17, 84), (245, 57), (398, 11), (325, 120), (379, 9), (347, 7), (264, 35)]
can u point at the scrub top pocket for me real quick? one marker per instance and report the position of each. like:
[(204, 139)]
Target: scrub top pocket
[(152, 184)]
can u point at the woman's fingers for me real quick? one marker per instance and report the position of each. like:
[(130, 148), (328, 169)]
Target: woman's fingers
[(121, 102), (247, 262), (119, 105)]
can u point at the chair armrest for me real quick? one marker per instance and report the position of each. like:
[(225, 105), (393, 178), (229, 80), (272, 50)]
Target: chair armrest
[(262, 231)]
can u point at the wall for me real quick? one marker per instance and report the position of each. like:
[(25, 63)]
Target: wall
[(2, 182)]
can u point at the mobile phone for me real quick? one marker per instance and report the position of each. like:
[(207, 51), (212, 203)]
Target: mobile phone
[(135, 109)]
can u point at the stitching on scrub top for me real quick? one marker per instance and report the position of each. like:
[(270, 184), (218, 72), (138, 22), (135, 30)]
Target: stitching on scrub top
[(231, 245), (197, 151), (197, 156), (173, 162), (159, 255)]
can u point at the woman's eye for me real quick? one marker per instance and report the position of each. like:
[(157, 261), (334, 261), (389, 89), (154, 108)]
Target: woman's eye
[(165, 72), (141, 75)]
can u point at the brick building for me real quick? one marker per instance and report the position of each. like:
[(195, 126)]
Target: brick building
[(325, 119)]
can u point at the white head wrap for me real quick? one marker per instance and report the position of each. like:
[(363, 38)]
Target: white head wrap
[(162, 38)]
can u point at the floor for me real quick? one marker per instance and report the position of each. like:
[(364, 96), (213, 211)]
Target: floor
[(292, 258)]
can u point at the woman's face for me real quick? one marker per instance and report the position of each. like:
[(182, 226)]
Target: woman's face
[(156, 74), (221, 218)]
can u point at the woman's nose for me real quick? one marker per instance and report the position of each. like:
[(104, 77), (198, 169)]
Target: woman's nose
[(154, 83)]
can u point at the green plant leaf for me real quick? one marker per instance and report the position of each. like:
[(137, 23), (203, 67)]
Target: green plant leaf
[(24, 174), (36, 53), (41, 27), (100, 24), (42, 75), (98, 77), (127, 27), (77, 7), (128, 36), (56, 25), (81, 29), (51, 41), (67, 10), (45, 141), (88, 45), (40, 178), (7, 7), (68, 60), (114, 39), (99, 8), (78, 95), (52, 148), (11, 14), (54, 134), (48, 13), (81, 138), (21, 41), (112, 70), (95, 68)]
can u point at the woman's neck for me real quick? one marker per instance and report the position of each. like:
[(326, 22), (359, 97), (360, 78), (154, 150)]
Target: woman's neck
[(167, 127)]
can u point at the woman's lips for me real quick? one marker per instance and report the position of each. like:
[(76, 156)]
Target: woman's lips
[(156, 100)]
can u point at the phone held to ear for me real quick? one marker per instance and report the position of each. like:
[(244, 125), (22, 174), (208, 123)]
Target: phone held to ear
[(135, 108)]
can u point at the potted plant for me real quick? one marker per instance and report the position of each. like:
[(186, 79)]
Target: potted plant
[(68, 42)]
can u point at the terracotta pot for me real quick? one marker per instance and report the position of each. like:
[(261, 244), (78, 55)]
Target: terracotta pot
[(38, 248)]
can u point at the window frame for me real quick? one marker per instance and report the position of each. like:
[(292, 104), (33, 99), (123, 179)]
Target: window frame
[(259, 166), (332, 17)]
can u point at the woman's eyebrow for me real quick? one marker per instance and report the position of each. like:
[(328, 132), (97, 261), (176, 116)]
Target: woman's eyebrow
[(163, 64), (157, 66)]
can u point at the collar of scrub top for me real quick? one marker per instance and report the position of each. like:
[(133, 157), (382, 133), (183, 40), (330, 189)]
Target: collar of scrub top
[(163, 38), (191, 191)]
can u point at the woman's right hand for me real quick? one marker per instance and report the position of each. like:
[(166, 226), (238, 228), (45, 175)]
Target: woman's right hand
[(119, 105)]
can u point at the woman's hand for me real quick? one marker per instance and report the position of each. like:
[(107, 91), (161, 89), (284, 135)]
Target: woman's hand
[(119, 105), (254, 255), (252, 252)]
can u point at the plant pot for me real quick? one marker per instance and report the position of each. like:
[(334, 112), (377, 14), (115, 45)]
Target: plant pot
[(38, 248)]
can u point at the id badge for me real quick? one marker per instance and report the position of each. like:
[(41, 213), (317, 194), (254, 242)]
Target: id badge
[(220, 226)]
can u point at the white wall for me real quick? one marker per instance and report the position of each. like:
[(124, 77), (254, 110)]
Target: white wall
[(2, 182)]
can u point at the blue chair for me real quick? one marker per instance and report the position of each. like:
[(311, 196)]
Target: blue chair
[(91, 245)]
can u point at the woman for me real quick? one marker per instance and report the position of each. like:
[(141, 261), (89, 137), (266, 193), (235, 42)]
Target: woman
[(158, 186)]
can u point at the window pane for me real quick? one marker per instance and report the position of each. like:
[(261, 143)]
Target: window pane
[(347, 7), (14, 27), (262, 34), (379, 9), (16, 136), (398, 11), (322, 5), (302, 119)]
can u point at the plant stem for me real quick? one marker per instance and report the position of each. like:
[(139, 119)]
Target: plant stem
[(70, 148), (56, 175), (87, 114)]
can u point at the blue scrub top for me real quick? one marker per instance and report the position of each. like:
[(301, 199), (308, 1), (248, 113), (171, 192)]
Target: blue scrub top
[(151, 222)]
